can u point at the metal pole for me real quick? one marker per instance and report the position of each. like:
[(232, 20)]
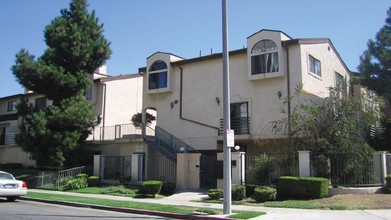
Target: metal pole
[(227, 119)]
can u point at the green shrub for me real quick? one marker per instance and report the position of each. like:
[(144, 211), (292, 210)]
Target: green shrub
[(93, 181), (388, 181), (119, 190), (125, 180), (168, 188), (263, 194), (76, 183), (82, 175), (238, 192), (302, 187), (153, 187), (250, 189), (215, 194)]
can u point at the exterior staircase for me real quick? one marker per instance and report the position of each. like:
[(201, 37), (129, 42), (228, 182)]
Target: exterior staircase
[(167, 144)]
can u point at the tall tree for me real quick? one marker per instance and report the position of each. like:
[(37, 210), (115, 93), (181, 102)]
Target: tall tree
[(375, 67), (76, 48)]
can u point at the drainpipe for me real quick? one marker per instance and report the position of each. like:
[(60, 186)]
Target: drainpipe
[(288, 90), (181, 103), (104, 111)]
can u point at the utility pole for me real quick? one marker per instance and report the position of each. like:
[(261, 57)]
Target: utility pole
[(227, 120)]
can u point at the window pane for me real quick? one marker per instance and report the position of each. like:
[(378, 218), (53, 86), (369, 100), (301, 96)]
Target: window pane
[(158, 65), (314, 66), (264, 63), (157, 80), (264, 46), (11, 106)]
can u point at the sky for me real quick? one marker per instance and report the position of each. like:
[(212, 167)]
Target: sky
[(139, 28)]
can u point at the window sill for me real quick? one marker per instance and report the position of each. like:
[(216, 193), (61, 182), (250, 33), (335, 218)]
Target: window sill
[(315, 75), (154, 91), (265, 75)]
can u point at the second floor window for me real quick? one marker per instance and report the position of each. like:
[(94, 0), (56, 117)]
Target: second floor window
[(11, 106), (340, 84), (314, 66), (264, 57), (40, 103), (157, 75)]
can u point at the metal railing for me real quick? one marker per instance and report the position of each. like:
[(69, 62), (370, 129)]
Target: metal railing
[(57, 178), (241, 126), (115, 132), (8, 139)]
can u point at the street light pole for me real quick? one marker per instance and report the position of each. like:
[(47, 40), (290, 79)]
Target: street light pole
[(227, 119)]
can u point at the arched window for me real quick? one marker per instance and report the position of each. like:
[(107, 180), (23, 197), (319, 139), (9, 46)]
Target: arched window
[(264, 57), (157, 75)]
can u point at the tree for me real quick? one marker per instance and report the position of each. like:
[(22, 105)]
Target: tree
[(375, 68), (137, 119), (334, 129), (76, 48)]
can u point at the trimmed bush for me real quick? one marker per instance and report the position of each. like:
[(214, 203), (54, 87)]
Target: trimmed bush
[(168, 188), (82, 175), (93, 181), (302, 187), (215, 194), (250, 189), (238, 192), (388, 181), (76, 183), (152, 187), (125, 180), (263, 194)]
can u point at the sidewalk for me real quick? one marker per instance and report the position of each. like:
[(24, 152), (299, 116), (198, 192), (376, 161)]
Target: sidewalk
[(185, 198)]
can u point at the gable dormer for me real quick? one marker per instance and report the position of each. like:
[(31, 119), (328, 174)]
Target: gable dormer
[(159, 72), (265, 54)]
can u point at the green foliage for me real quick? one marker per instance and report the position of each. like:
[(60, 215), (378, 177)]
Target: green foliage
[(302, 187), (76, 183), (375, 72), (125, 180), (263, 194), (388, 181), (238, 192), (93, 181), (168, 188), (76, 48), (137, 119), (250, 189), (119, 190), (215, 194), (82, 175), (153, 187)]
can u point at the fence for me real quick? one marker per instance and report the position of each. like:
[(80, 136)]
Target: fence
[(53, 179), (265, 169)]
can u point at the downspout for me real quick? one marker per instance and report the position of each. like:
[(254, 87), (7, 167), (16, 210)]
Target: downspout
[(181, 103), (104, 111), (288, 90)]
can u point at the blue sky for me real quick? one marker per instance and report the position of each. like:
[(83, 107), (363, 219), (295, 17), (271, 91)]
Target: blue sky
[(138, 28)]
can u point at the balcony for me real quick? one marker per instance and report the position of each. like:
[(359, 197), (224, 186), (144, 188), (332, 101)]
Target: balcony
[(241, 125), (122, 132), (7, 139)]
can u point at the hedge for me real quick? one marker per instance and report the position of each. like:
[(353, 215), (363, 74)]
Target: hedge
[(250, 189), (302, 187), (168, 188), (388, 181), (215, 194), (153, 187), (93, 181), (238, 192), (263, 194)]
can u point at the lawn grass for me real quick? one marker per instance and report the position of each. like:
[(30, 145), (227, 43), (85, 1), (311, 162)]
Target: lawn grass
[(337, 202), (185, 210)]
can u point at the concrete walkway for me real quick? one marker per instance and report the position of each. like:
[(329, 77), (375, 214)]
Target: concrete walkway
[(188, 198)]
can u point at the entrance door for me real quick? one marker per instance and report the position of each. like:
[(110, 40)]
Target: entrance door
[(208, 171)]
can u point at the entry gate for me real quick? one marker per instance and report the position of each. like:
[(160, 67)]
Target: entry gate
[(208, 171)]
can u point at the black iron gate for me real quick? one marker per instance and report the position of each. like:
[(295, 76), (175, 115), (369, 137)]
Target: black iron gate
[(113, 167), (208, 171)]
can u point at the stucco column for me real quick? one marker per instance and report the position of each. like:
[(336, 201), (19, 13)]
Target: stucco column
[(238, 173), (304, 163), (181, 168), (96, 165)]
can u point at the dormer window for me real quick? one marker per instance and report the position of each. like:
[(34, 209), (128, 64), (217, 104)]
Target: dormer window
[(264, 57), (157, 75)]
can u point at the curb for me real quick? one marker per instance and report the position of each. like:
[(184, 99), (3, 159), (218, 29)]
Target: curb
[(125, 210)]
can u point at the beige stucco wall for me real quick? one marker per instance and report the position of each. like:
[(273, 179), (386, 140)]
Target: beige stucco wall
[(15, 155), (202, 85)]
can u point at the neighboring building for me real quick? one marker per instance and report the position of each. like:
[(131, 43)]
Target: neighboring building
[(187, 93)]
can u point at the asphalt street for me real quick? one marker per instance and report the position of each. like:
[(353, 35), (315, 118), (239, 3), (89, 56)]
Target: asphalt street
[(27, 210)]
